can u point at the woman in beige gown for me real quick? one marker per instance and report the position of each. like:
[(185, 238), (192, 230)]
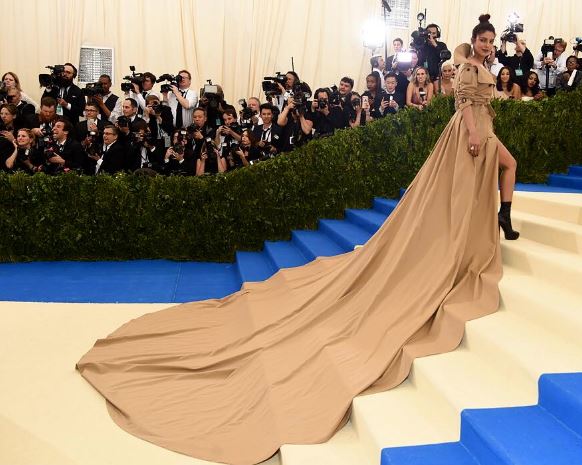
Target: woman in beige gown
[(280, 361)]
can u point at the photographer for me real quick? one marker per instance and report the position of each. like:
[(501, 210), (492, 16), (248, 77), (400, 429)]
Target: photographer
[(210, 161), (212, 100), (143, 90), (126, 123), (396, 96), (346, 86), (571, 78), (229, 134), (24, 110), (326, 119), (357, 115), (296, 125), (70, 100), (430, 51), (375, 96), (24, 157), (249, 116), (159, 119), (11, 81), (550, 66), (92, 125), (8, 115), (392, 62), (520, 63), (66, 153), (269, 134), (179, 157), (110, 159), (42, 122), (246, 154), (109, 104), (144, 152), (199, 131), (182, 100)]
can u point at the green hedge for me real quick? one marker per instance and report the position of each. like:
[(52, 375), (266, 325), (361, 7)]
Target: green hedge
[(209, 218)]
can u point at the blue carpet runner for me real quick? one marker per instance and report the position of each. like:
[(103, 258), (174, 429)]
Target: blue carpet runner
[(549, 433)]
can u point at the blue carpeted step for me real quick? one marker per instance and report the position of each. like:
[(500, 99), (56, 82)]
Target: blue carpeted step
[(200, 281), (562, 180), (346, 234), (315, 244), (284, 254), (254, 266), (561, 395), (575, 170), (519, 435), (448, 453), (370, 220), (384, 205)]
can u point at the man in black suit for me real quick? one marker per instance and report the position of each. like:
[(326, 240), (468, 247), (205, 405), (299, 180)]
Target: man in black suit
[(67, 153), (269, 134), (144, 151), (128, 121), (68, 96), (111, 158), (160, 120), (90, 125), (25, 110), (396, 96)]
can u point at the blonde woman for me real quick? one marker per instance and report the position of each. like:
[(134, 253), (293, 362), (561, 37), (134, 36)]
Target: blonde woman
[(420, 89), (444, 84)]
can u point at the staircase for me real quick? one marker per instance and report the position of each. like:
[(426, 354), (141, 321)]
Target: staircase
[(502, 358)]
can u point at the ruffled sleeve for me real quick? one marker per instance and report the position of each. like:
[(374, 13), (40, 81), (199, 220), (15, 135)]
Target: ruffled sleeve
[(466, 87)]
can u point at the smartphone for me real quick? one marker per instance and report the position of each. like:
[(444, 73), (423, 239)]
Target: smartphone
[(364, 99)]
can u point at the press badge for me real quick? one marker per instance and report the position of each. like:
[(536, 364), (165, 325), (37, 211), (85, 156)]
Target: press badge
[(518, 72)]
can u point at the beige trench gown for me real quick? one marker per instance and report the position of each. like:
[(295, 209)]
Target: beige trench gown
[(280, 361)]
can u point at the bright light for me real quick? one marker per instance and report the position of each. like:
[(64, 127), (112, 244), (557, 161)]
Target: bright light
[(513, 18), (373, 34)]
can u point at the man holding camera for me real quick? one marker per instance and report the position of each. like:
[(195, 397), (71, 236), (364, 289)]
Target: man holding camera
[(549, 66), (159, 119), (66, 153), (229, 134), (182, 100), (326, 118), (140, 93), (296, 125), (70, 100), (430, 51), (521, 62), (109, 104), (144, 151), (110, 158), (42, 123), (269, 134), (126, 123), (24, 109)]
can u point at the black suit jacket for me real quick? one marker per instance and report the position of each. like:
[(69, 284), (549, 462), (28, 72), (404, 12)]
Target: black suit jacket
[(81, 130), (155, 158), (73, 96), (277, 137), (113, 159), (73, 154)]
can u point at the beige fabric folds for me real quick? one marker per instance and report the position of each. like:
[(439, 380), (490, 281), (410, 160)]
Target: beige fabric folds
[(280, 361)]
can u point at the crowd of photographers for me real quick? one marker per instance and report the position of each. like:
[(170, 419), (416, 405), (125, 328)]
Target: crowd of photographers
[(173, 131)]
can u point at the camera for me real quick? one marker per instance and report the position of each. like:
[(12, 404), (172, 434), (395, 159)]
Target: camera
[(52, 80), (123, 121), (301, 94), (211, 93), (270, 83), (321, 103), (134, 78), (513, 26), (93, 88), (548, 46), (246, 114), (172, 81)]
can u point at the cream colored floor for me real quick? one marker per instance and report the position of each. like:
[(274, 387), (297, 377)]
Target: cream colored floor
[(50, 416)]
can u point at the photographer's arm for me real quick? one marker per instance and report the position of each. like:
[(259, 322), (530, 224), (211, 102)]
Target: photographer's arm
[(221, 162), (200, 166), (306, 124), (283, 116), (11, 160), (356, 122)]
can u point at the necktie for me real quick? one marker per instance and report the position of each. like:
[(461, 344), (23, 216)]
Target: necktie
[(179, 117)]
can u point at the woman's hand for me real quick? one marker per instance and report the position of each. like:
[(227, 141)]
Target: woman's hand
[(474, 144)]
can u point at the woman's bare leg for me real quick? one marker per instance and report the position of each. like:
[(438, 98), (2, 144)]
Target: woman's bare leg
[(508, 167)]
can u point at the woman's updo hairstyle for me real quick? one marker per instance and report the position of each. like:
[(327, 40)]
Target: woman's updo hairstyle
[(483, 26)]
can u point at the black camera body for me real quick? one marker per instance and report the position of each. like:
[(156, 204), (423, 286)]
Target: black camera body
[(123, 121), (301, 94), (211, 93), (419, 37), (92, 89), (270, 83), (171, 81), (134, 78), (52, 80), (509, 35)]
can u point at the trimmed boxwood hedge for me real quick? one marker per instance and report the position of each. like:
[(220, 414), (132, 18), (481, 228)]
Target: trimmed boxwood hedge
[(209, 218)]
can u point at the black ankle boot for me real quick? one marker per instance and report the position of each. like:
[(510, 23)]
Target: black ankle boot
[(504, 217)]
